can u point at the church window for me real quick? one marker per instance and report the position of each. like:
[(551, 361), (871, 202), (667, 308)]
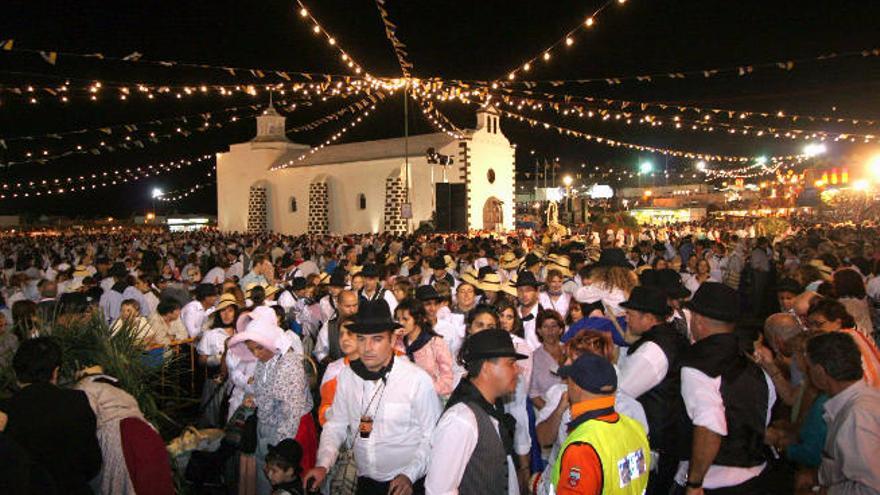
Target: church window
[(491, 176), (362, 201), (292, 204)]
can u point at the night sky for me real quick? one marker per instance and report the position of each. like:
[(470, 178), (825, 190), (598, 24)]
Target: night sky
[(468, 40)]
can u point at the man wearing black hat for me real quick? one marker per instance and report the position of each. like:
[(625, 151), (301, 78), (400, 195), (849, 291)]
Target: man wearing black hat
[(327, 344), (605, 452), (451, 332), (727, 398), (650, 372), (527, 296), (438, 267), (390, 404), (472, 446), (372, 291), (669, 281)]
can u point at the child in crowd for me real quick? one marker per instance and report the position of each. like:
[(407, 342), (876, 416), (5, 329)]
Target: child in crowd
[(282, 468)]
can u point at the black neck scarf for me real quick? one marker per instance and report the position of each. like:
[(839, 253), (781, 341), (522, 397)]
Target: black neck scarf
[(361, 370), (421, 341), (466, 392)]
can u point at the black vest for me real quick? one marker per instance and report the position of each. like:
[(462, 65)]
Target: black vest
[(334, 351), (744, 393), (486, 472), (663, 403)]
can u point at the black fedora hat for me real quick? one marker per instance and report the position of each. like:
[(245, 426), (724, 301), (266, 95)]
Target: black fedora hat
[(490, 343), (527, 279), (670, 281), (531, 259), (717, 301), (298, 283), (370, 270), (427, 293), (373, 317), (437, 263), (647, 300), (337, 279), (613, 257)]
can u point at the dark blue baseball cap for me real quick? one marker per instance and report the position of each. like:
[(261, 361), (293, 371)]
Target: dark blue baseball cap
[(592, 373)]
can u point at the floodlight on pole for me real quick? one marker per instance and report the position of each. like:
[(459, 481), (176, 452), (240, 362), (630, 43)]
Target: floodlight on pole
[(814, 149), (157, 193), (567, 180), (761, 160), (646, 167), (701, 165)]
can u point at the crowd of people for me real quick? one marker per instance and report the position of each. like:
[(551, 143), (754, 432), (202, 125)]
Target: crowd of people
[(687, 359)]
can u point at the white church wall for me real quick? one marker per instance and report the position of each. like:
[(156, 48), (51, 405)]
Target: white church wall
[(490, 151), (237, 171)]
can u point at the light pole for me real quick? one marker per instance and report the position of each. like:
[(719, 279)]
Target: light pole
[(156, 194), (567, 180)]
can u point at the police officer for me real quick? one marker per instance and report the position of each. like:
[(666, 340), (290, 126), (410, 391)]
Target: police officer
[(605, 452)]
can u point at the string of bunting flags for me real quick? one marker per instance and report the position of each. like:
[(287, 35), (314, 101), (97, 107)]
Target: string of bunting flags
[(95, 180), (396, 44), (706, 124), (130, 136), (730, 114), (737, 70), (638, 147), (51, 57), (356, 106), (440, 121)]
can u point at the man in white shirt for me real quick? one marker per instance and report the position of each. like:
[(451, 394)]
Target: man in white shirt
[(391, 405), (471, 450), (529, 307), (852, 445), (649, 371), (195, 312), (727, 398)]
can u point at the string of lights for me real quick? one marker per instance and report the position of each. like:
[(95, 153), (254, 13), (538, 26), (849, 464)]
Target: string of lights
[(174, 196), (356, 106), (437, 118), (738, 70), (566, 40), (638, 147), (706, 124), (122, 91), (130, 136), (730, 114), (351, 124), (95, 180), (319, 30)]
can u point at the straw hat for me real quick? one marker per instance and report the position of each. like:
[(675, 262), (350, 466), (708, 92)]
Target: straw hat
[(561, 263), (509, 287), (491, 283), (225, 301), (470, 277), (509, 261)]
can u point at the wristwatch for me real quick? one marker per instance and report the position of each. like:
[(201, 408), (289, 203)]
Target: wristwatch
[(693, 484)]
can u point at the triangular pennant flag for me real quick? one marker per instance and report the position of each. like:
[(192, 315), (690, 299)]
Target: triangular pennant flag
[(7, 44), (283, 75), (133, 57), (49, 57)]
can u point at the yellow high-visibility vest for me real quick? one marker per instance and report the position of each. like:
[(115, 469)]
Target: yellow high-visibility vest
[(623, 450)]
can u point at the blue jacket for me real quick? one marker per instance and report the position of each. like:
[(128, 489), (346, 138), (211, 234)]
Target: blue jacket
[(811, 436)]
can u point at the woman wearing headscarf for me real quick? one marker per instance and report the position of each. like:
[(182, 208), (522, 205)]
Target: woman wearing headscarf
[(134, 455), (280, 391)]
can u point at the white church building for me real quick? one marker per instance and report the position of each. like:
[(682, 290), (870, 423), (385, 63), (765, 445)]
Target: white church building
[(361, 187)]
